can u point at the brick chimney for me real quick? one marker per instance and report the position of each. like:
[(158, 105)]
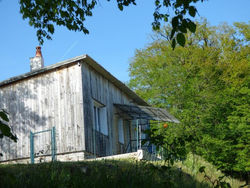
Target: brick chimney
[(37, 62)]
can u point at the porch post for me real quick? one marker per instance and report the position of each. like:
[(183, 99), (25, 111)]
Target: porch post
[(94, 143), (137, 134)]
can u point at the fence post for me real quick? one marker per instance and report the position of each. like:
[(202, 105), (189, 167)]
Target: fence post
[(32, 148), (53, 143)]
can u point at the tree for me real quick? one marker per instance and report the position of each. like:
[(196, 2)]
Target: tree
[(5, 130), (206, 86), (43, 15)]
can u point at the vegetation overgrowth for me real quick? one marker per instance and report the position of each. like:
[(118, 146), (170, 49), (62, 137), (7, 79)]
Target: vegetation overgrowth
[(101, 173), (206, 85)]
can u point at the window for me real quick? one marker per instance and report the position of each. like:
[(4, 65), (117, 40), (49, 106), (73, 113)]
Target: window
[(100, 118), (120, 131)]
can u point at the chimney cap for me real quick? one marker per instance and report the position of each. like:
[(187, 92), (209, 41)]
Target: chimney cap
[(38, 51), (37, 62)]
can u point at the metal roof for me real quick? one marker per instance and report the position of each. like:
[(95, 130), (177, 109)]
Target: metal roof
[(79, 59), (145, 112)]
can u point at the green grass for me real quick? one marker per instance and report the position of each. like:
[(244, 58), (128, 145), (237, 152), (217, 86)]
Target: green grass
[(112, 173), (192, 164), (103, 173)]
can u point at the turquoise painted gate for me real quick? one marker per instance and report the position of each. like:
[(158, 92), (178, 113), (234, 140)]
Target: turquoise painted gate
[(52, 144)]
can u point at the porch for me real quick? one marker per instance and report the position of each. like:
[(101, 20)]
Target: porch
[(129, 124)]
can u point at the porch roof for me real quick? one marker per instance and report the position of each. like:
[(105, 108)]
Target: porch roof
[(144, 112)]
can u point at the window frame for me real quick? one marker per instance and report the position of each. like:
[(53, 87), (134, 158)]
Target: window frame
[(100, 118)]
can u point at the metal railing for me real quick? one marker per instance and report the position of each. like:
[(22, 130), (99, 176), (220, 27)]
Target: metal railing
[(101, 144)]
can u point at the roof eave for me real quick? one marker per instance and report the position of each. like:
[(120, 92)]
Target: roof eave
[(42, 70), (92, 63)]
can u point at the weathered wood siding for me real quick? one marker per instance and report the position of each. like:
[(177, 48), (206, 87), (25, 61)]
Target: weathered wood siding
[(39, 103), (96, 87)]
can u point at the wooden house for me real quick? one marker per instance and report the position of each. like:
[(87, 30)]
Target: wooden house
[(74, 110)]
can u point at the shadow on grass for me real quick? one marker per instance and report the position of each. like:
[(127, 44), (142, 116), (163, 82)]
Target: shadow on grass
[(105, 173)]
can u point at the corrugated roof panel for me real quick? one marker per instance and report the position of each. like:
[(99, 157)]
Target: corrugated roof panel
[(145, 112)]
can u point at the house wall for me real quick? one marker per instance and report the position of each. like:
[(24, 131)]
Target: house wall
[(39, 103), (96, 87)]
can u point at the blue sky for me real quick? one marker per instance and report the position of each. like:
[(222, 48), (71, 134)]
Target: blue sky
[(114, 35)]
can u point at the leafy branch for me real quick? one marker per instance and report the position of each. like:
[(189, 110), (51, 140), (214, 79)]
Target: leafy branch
[(5, 130), (44, 15)]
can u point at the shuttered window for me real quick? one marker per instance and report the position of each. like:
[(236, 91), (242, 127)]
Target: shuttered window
[(120, 131), (100, 118)]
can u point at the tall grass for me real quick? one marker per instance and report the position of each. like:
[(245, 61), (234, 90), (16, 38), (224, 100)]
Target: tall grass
[(192, 164), (104, 173)]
